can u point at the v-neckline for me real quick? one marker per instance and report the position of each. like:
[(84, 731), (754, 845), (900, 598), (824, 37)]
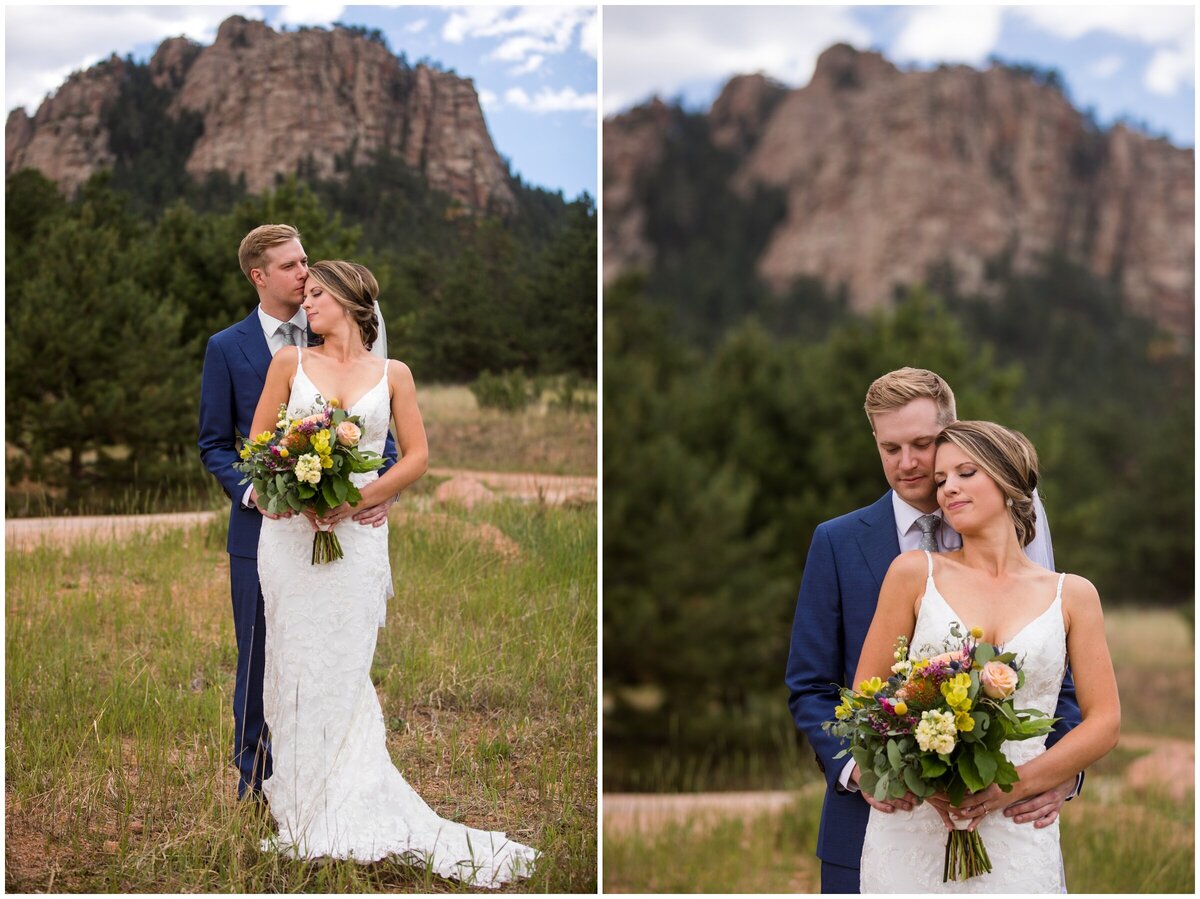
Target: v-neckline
[(346, 406), (1028, 624)]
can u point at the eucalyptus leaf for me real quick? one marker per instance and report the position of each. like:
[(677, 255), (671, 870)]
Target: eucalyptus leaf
[(984, 653), (882, 787), (895, 759)]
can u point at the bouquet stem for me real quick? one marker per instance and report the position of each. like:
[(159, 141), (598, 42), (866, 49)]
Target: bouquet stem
[(966, 856), (326, 547)]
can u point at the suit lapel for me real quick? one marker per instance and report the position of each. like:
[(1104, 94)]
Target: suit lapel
[(877, 537), (253, 344)]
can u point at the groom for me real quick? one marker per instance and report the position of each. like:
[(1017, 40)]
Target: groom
[(847, 561), (235, 369)]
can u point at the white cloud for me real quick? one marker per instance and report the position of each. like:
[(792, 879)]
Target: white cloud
[(44, 44), (547, 100), (589, 36), (1169, 31), (1106, 66), (488, 99), (310, 14), (1170, 70), (525, 32), (955, 34), (532, 64), (1146, 24), (663, 50), (417, 27)]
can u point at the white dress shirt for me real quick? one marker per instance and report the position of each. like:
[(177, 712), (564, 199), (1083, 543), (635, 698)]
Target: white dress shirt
[(1039, 550), (275, 342)]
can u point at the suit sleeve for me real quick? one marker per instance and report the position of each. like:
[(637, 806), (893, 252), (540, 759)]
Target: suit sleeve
[(816, 660), (390, 453), (218, 427)]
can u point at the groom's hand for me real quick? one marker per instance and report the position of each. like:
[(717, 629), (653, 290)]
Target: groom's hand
[(1042, 810), (903, 804), (375, 515)]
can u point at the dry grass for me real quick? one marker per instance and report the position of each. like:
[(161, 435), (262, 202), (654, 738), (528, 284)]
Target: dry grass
[(119, 664)]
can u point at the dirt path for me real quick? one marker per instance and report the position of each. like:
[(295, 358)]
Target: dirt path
[(625, 812), (25, 533), (1169, 765), (549, 488)]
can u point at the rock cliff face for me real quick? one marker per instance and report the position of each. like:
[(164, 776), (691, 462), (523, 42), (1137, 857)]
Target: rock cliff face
[(886, 173), (271, 101)]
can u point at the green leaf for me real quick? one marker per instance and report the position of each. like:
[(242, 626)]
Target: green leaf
[(985, 764), (882, 788), (932, 766), (969, 773), (862, 757), (280, 483), (895, 759), (293, 500), (339, 490), (984, 653), (913, 781), (867, 780), (327, 492)]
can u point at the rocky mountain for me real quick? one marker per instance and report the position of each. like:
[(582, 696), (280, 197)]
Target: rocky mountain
[(271, 102), (885, 173)]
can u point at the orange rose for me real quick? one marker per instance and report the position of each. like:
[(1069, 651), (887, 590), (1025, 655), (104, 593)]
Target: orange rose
[(998, 680)]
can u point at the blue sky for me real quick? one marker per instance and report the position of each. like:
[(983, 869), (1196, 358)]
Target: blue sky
[(1124, 62), (535, 67)]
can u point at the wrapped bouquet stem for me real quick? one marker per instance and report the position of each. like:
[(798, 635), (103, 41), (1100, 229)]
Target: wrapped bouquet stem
[(938, 724)]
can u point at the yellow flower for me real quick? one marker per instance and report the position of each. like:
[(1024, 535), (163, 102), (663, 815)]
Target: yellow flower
[(283, 453), (955, 691), (900, 708), (870, 687), (334, 403), (964, 722), (843, 711), (977, 632), (326, 461), (245, 452), (320, 442), (264, 437)]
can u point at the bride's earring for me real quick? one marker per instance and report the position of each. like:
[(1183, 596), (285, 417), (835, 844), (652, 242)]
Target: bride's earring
[(1008, 502)]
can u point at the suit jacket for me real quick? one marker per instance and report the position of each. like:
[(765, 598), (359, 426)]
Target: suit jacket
[(847, 561), (235, 370)]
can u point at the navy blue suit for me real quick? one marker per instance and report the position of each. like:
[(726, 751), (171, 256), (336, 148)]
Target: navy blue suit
[(235, 370), (847, 561)]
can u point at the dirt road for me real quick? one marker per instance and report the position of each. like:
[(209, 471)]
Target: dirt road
[(24, 533)]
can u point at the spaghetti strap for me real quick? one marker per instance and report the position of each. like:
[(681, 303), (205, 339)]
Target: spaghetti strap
[(929, 556), (1058, 593)]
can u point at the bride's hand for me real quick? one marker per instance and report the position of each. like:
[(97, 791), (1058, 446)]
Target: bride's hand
[(942, 805), (976, 805), (336, 515)]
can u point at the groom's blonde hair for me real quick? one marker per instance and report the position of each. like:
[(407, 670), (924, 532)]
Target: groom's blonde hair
[(900, 387), (255, 244)]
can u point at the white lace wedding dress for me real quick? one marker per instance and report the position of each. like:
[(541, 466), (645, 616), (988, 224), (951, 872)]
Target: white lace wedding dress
[(334, 791), (904, 852)]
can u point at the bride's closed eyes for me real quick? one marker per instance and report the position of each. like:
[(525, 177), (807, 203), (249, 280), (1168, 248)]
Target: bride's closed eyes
[(939, 484)]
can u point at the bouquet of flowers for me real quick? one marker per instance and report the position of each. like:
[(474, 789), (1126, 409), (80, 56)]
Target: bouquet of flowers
[(306, 463), (937, 725)]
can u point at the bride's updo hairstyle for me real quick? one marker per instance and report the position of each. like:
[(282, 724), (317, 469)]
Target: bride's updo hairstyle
[(355, 290), (1008, 458)]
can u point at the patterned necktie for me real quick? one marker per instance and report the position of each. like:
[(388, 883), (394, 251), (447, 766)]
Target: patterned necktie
[(929, 525), (289, 332)]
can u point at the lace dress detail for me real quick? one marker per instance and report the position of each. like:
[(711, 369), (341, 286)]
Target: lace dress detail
[(904, 852), (334, 790)]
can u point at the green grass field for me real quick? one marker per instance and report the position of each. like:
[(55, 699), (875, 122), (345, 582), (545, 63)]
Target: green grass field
[(120, 662), (1117, 837)]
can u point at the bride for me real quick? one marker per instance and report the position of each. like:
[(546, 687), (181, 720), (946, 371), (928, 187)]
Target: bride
[(985, 476), (334, 791)]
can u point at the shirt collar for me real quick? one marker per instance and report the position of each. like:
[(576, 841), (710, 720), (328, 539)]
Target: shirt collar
[(270, 324), (906, 515)]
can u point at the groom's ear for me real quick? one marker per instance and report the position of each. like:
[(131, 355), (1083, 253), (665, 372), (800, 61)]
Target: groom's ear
[(258, 277)]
